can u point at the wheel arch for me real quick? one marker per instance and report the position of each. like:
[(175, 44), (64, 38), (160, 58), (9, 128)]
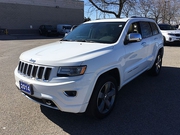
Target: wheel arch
[(114, 73), (161, 50)]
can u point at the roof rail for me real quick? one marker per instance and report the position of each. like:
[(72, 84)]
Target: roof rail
[(137, 17), (141, 17)]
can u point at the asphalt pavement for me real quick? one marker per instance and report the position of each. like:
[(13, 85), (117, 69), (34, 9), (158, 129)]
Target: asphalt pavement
[(145, 106)]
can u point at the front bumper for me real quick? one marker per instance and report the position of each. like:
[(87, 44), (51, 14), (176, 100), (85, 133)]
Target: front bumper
[(170, 38), (53, 94)]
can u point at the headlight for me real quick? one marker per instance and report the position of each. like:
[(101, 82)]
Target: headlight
[(71, 71), (171, 34)]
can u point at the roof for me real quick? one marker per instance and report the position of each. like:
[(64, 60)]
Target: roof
[(121, 19)]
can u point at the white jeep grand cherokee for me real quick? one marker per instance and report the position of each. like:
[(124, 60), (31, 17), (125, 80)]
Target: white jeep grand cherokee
[(84, 71)]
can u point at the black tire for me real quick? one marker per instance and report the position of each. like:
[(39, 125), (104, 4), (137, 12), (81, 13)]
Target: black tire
[(165, 42), (156, 68), (103, 97)]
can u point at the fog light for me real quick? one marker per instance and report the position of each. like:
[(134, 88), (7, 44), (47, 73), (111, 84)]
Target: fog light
[(70, 93)]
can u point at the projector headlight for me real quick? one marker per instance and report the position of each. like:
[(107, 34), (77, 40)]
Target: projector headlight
[(71, 71)]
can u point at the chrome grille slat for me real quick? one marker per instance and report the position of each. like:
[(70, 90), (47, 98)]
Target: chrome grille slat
[(34, 71), (44, 73)]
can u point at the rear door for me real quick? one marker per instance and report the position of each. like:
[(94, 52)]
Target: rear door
[(151, 36)]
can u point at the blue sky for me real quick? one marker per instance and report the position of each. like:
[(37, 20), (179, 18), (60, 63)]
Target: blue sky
[(86, 13)]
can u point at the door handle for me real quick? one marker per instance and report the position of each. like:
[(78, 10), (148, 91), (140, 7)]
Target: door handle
[(143, 44), (155, 38)]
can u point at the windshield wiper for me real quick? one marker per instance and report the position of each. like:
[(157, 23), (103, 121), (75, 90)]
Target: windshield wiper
[(83, 40), (65, 40), (79, 40)]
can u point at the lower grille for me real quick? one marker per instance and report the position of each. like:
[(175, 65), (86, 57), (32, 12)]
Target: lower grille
[(177, 35), (34, 71), (45, 102)]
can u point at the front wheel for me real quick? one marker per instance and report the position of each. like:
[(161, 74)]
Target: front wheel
[(156, 68), (103, 97)]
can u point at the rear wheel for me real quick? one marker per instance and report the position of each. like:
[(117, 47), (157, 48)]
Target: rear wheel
[(103, 97), (156, 68)]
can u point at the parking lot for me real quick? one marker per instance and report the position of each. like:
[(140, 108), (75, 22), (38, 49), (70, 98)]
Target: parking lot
[(145, 106)]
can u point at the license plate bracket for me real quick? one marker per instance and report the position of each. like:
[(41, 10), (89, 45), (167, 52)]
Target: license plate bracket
[(25, 87)]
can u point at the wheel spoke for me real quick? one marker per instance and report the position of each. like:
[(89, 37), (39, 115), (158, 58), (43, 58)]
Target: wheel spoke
[(107, 87), (108, 104), (101, 95), (158, 63), (101, 106), (111, 93)]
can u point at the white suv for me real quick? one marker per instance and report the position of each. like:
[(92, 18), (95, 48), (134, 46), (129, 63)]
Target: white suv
[(84, 71), (170, 33)]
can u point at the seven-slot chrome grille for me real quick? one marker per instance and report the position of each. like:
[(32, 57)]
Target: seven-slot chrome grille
[(34, 71)]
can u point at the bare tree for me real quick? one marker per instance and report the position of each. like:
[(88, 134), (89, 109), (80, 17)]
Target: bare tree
[(109, 6), (143, 8), (156, 10), (129, 8), (172, 10), (165, 11)]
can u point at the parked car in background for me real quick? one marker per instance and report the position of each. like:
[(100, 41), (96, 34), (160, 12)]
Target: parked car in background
[(84, 71), (170, 33), (72, 28), (47, 30), (62, 29), (175, 26)]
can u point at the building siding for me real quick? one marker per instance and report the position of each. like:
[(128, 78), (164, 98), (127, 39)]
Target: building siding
[(76, 4), (20, 18)]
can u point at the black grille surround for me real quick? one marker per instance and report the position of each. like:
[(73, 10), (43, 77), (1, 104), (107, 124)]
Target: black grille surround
[(177, 35), (32, 70)]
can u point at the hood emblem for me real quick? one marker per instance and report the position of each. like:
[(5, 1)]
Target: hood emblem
[(33, 61)]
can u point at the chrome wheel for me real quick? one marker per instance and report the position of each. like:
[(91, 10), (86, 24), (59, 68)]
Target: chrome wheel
[(158, 63), (156, 68), (103, 97), (106, 97)]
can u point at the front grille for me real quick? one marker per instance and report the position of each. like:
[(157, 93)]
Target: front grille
[(177, 35), (34, 71)]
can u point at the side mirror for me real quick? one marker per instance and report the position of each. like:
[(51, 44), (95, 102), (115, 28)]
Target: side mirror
[(134, 37)]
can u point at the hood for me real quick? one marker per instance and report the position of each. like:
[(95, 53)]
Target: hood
[(65, 53)]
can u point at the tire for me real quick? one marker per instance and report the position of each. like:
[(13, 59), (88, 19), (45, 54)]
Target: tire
[(165, 42), (156, 68), (103, 97)]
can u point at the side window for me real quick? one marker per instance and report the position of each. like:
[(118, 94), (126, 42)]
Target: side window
[(145, 29), (134, 28), (154, 28)]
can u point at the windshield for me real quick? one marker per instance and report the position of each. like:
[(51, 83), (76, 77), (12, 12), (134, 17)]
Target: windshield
[(101, 32), (166, 27)]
